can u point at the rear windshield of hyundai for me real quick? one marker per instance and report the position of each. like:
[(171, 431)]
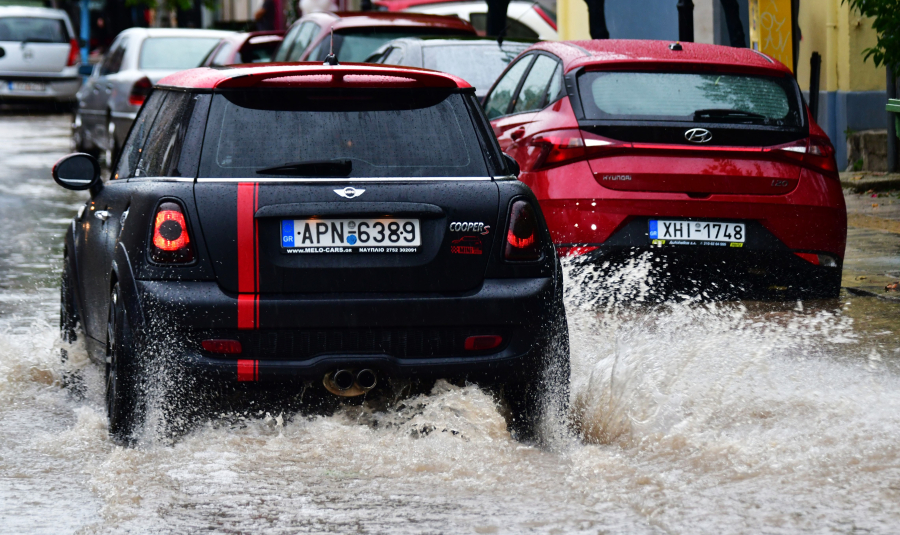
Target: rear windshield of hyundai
[(33, 30), (690, 97), (335, 133)]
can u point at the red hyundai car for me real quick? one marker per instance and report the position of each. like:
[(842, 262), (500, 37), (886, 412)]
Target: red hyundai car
[(706, 155)]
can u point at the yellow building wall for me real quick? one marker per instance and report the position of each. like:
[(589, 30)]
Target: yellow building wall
[(826, 26), (572, 20)]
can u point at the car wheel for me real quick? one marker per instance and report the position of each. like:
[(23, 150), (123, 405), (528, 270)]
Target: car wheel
[(538, 399), (112, 146), (121, 383), (79, 139)]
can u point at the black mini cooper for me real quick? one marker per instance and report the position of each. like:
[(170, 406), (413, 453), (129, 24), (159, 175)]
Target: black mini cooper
[(336, 227)]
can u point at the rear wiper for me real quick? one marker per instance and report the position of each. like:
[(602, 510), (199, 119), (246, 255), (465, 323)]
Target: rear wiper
[(311, 168), (715, 113)]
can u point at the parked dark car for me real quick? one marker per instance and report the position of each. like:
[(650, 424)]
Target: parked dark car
[(475, 60), (390, 244), (704, 156), (357, 35), (252, 47)]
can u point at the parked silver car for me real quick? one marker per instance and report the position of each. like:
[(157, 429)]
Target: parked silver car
[(39, 55), (118, 86)]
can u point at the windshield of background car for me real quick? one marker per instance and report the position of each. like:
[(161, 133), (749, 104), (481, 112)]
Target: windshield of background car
[(381, 132), (478, 65), (660, 96), (174, 53), (33, 29)]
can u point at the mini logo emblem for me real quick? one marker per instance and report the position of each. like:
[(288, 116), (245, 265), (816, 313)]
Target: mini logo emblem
[(698, 135), (349, 192)]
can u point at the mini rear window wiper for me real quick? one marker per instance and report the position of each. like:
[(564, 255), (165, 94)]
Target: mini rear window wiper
[(338, 167), (716, 113)]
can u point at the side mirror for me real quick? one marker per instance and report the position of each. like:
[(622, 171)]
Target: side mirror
[(512, 165), (77, 171), (85, 69)]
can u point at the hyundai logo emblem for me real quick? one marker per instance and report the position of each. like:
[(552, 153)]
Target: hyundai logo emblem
[(698, 135), (349, 192)]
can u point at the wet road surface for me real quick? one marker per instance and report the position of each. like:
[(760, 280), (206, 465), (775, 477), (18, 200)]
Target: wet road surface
[(690, 418)]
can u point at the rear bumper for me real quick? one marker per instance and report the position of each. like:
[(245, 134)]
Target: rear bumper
[(56, 88), (302, 337), (717, 272)]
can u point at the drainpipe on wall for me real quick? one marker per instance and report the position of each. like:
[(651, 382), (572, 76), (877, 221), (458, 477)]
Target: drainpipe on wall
[(686, 21), (892, 166)]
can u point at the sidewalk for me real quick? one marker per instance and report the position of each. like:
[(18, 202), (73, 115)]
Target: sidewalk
[(873, 236)]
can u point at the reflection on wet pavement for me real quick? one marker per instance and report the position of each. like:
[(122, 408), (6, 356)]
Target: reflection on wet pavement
[(689, 418)]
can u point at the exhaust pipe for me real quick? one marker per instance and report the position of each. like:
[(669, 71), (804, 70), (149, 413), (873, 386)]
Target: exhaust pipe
[(366, 379), (342, 379)]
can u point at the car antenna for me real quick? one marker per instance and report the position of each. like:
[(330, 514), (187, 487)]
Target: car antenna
[(331, 59)]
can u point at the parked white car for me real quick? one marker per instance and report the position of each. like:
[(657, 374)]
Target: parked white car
[(118, 86), (39, 55), (525, 20)]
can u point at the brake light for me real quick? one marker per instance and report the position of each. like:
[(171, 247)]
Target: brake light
[(522, 241), (227, 347), (483, 342), (74, 53), (823, 260), (171, 241), (569, 251), (558, 147), (815, 152), (140, 91)]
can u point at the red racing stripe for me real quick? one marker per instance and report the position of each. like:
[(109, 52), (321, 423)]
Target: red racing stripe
[(247, 370), (247, 256)]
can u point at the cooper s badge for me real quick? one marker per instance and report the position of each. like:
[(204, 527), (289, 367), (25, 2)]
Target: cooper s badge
[(349, 192), (470, 226)]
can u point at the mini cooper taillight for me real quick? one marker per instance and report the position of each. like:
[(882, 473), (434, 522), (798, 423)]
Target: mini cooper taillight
[(171, 242), (522, 240), (140, 91)]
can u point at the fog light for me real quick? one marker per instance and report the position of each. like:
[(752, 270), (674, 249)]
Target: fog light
[(481, 343), (227, 347)]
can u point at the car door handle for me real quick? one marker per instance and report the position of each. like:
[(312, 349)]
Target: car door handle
[(102, 215), (517, 134)]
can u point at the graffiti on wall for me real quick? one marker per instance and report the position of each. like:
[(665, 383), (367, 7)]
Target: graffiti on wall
[(770, 29)]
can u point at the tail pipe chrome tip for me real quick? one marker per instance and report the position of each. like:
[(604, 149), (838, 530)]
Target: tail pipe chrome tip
[(343, 379), (366, 379)]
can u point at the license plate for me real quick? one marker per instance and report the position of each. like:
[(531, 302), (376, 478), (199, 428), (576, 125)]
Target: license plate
[(388, 235), (697, 231), (27, 86)]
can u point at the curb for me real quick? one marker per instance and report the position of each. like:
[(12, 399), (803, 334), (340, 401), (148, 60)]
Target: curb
[(864, 183), (866, 293)]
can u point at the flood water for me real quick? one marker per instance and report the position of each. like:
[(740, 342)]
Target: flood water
[(690, 418)]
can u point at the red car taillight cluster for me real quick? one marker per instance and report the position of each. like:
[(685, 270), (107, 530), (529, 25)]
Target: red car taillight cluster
[(140, 91), (74, 53), (522, 240), (171, 242), (815, 152), (558, 147)]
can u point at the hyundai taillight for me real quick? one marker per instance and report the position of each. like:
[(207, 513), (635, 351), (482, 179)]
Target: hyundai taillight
[(171, 242), (140, 91), (74, 53), (522, 240), (823, 260), (814, 152), (558, 147)]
